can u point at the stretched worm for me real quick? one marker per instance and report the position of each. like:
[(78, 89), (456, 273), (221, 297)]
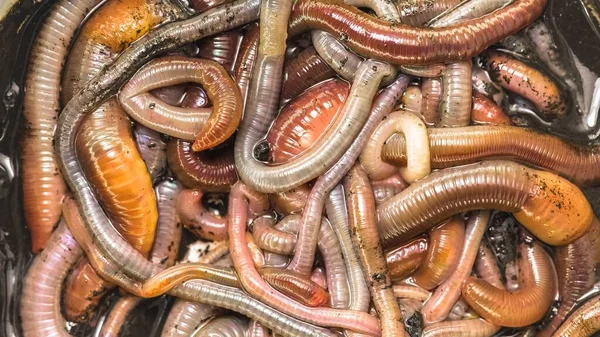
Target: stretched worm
[(43, 186), (402, 44), (83, 290), (210, 171), (221, 48), (152, 149), (432, 96), (361, 210), (576, 266), (208, 127), (40, 299), (486, 265), (406, 259), (523, 79), (485, 111), (583, 322), (245, 60), (537, 284), (297, 287), (303, 121), (552, 208), (463, 328), (292, 201), (197, 219), (412, 100), (256, 329), (456, 98), (443, 254), (387, 188), (440, 304), (418, 12), (412, 292), (415, 130), (255, 285), (302, 72), (224, 326), (459, 146)]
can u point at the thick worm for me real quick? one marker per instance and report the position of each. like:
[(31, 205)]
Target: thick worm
[(583, 322), (552, 208), (418, 12), (456, 98), (43, 186), (485, 111), (40, 299), (292, 201), (432, 96), (297, 287), (210, 171), (197, 219), (302, 72), (208, 127), (537, 286), (245, 60), (361, 210), (152, 148), (406, 259), (402, 44), (459, 146), (221, 48), (84, 289), (271, 239), (387, 188), (443, 254)]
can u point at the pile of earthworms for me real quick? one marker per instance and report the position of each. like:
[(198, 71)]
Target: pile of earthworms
[(350, 168)]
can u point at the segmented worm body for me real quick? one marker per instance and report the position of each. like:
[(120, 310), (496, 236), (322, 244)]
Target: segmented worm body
[(404, 260), (221, 48), (302, 72), (485, 111), (583, 322)]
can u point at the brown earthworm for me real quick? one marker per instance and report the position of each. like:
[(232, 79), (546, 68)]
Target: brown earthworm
[(432, 96), (210, 171), (245, 60), (537, 284), (302, 72), (418, 12), (440, 304), (485, 111), (195, 97), (456, 98), (487, 267), (387, 188), (463, 328), (292, 201), (402, 44), (43, 186), (40, 297), (459, 146), (297, 287), (361, 210), (152, 148), (443, 254), (552, 208), (221, 48), (208, 127), (84, 289), (271, 239), (583, 322), (197, 219), (404, 260), (521, 78), (412, 100)]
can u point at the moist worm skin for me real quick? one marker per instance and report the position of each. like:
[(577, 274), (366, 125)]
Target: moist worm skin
[(487, 267), (412, 100), (201, 6), (550, 207), (418, 12), (402, 44), (245, 59), (584, 322), (462, 328), (208, 127), (256, 329), (221, 48), (576, 266), (537, 286), (118, 173), (523, 79), (432, 96), (459, 146), (443, 254), (302, 72), (387, 188), (456, 103), (43, 186), (197, 219), (210, 171), (40, 299), (224, 326), (118, 315), (404, 260), (292, 201), (84, 289), (485, 111), (361, 210), (152, 149), (297, 287), (305, 119)]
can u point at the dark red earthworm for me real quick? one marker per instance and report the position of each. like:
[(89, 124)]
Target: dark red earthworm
[(302, 72), (404, 260), (221, 48), (485, 111), (242, 71)]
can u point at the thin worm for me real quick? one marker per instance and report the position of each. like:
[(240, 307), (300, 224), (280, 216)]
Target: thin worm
[(43, 186), (208, 127), (429, 71), (361, 210), (302, 72), (440, 304), (387, 188), (537, 284), (152, 149), (463, 328), (432, 96), (223, 326), (459, 146), (402, 44), (385, 10), (487, 267), (552, 208), (118, 315), (412, 292), (418, 12), (197, 219), (256, 329), (291, 201), (295, 286), (456, 98), (40, 299), (210, 171), (412, 100), (443, 254), (342, 61), (406, 259), (245, 60), (583, 322), (485, 111), (221, 48), (271, 239)]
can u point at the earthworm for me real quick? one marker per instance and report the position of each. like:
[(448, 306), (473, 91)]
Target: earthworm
[(271, 239), (342, 61), (443, 254), (486, 266), (210, 171), (318, 276), (413, 292), (459, 146), (224, 326), (43, 185), (305, 119), (456, 95), (195, 97), (463, 328), (361, 210), (523, 79), (418, 12), (582, 322), (385, 10), (511, 275), (275, 260), (412, 100), (40, 299), (576, 266), (404, 260), (485, 111), (257, 255), (403, 122), (253, 283), (292, 201), (440, 304), (458, 310), (552, 208), (402, 44), (221, 48), (152, 149), (197, 219), (297, 287), (256, 329), (118, 315), (185, 317), (171, 95), (83, 290), (113, 165), (245, 60), (302, 72), (429, 71), (387, 188), (432, 96), (208, 127), (537, 284), (483, 84)]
